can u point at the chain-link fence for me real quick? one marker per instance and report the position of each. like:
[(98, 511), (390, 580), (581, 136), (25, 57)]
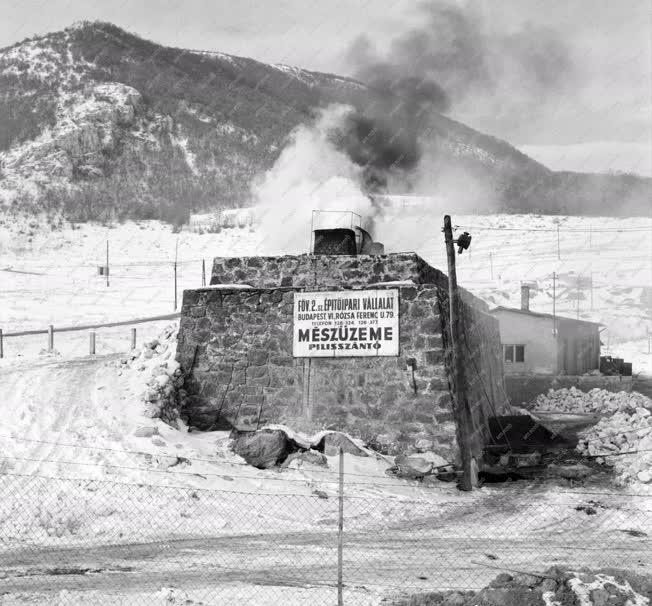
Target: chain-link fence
[(71, 541)]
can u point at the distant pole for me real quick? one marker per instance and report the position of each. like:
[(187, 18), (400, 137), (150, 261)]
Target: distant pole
[(107, 263), (91, 343), (459, 384), (203, 272), (133, 338), (554, 303), (50, 338), (176, 251), (558, 248), (491, 264), (340, 534)]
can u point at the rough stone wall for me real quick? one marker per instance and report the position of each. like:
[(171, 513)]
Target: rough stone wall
[(321, 272), (237, 346)]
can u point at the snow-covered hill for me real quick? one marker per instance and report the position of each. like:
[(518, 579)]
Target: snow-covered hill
[(101, 124), (106, 124)]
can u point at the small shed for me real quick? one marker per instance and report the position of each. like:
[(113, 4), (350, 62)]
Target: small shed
[(543, 343)]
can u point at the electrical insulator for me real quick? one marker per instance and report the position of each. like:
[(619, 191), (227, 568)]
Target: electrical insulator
[(463, 242)]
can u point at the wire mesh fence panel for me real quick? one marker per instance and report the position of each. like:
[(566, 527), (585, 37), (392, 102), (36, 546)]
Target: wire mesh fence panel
[(79, 541), (396, 551), (66, 541)]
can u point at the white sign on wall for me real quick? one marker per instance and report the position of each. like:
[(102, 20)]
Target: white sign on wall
[(345, 323)]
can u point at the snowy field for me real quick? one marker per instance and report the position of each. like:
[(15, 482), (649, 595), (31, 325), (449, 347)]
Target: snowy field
[(602, 265)]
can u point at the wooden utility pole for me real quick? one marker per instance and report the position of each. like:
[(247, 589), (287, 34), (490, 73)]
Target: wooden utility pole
[(554, 302), (462, 411), (340, 532), (203, 272), (176, 253)]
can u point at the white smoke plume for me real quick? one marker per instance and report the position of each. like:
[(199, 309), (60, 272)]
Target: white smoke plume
[(312, 174), (309, 175)]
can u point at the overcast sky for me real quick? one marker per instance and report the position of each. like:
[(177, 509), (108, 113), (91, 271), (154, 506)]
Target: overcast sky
[(610, 41)]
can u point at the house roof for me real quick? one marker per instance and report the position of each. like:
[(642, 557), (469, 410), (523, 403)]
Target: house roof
[(537, 314)]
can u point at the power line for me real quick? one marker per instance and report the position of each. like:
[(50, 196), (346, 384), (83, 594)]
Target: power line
[(545, 229)]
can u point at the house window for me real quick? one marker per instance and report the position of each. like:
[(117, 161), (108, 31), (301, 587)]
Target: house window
[(514, 353)]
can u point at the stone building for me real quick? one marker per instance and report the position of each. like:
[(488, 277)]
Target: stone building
[(237, 344)]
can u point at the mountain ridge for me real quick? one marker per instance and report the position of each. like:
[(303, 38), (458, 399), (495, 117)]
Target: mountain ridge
[(100, 123)]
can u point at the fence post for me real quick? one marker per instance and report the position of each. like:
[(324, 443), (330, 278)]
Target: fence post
[(2, 351), (50, 338), (340, 534), (91, 343), (133, 338)]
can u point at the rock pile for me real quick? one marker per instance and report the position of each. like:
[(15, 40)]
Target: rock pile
[(596, 400), (165, 380), (277, 445), (555, 586), (622, 441)]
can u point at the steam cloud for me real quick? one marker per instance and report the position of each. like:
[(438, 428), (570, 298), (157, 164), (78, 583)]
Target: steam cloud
[(311, 174)]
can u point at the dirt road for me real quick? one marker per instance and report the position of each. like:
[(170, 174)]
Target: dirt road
[(374, 562)]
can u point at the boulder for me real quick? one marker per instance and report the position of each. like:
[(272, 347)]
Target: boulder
[(644, 476), (309, 457), (412, 467), (330, 445), (262, 449)]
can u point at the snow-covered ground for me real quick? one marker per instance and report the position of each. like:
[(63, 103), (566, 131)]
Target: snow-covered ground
[(84, 466)]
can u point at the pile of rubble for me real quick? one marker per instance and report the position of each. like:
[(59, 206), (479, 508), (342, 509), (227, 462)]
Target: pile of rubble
[(596, 400), (164, 381), (622, 441), (555, 586)]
